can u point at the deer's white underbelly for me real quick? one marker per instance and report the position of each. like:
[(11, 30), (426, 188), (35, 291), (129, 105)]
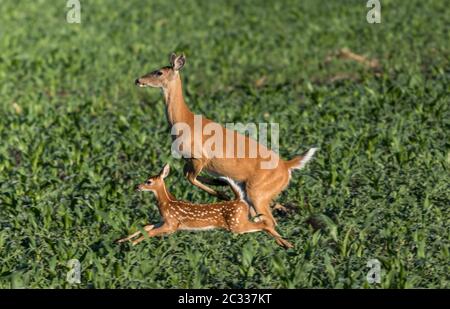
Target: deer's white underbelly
[(204, 228)]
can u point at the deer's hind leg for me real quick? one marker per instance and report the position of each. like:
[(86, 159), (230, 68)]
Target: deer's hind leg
[(279, 207), (280, 240), (248, 227), (262, 190)]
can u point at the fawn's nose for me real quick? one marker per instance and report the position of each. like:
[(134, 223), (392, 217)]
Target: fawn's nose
[(136, 82)]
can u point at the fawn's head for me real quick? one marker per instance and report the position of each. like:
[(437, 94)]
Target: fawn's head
[(160, 78), (155, 183)]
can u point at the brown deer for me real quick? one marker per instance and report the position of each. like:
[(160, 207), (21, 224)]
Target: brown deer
[(179, 215), (261, 184)]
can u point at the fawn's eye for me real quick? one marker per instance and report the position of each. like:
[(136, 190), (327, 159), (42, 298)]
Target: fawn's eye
[(158, 73), (148, 182)]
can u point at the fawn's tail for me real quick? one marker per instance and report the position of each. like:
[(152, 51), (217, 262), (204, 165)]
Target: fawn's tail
[(238, 193), (300, 162)]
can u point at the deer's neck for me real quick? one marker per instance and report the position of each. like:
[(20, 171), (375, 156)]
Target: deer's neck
[(177, 110), (164, 199)]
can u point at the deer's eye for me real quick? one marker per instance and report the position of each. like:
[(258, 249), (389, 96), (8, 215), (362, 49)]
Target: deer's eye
[(148, 182), (158, 73)]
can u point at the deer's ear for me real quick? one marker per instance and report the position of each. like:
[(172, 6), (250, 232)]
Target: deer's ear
[(172, 58), (177, 62), (165, 171)]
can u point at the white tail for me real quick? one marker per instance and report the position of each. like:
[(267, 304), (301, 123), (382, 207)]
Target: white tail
[(300, 162), (236, 189)]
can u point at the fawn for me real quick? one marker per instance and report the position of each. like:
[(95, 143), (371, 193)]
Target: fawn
[(180, 215), (261, 185)]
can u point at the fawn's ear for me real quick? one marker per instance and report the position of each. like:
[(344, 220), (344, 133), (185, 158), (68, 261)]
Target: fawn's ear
[(165, 171), (177, 62)]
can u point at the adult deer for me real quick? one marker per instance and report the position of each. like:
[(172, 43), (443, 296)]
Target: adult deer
[(262, 175)]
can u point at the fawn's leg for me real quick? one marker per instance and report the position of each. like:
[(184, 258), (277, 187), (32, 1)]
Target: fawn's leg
[(146, 228), (192, 169), (249, 227), (163, 229), (280, 240)]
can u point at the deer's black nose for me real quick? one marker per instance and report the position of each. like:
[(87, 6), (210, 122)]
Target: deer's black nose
[(136, 82)]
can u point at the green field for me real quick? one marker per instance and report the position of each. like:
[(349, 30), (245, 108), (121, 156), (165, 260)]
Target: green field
[(76, 137)]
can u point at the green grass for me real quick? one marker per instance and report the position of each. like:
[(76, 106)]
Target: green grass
[(76, 136)]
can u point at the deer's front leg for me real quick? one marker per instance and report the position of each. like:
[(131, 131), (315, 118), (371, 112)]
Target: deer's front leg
[(146, 228), (163, 229), (192, 169)]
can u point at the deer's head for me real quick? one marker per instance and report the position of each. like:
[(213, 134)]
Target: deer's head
[(161, 77), (155, 183)]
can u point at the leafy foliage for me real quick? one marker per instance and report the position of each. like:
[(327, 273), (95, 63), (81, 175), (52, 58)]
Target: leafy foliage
[(77, 136)]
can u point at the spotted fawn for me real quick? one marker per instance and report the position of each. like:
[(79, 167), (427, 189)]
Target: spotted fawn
[(177, 215)]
